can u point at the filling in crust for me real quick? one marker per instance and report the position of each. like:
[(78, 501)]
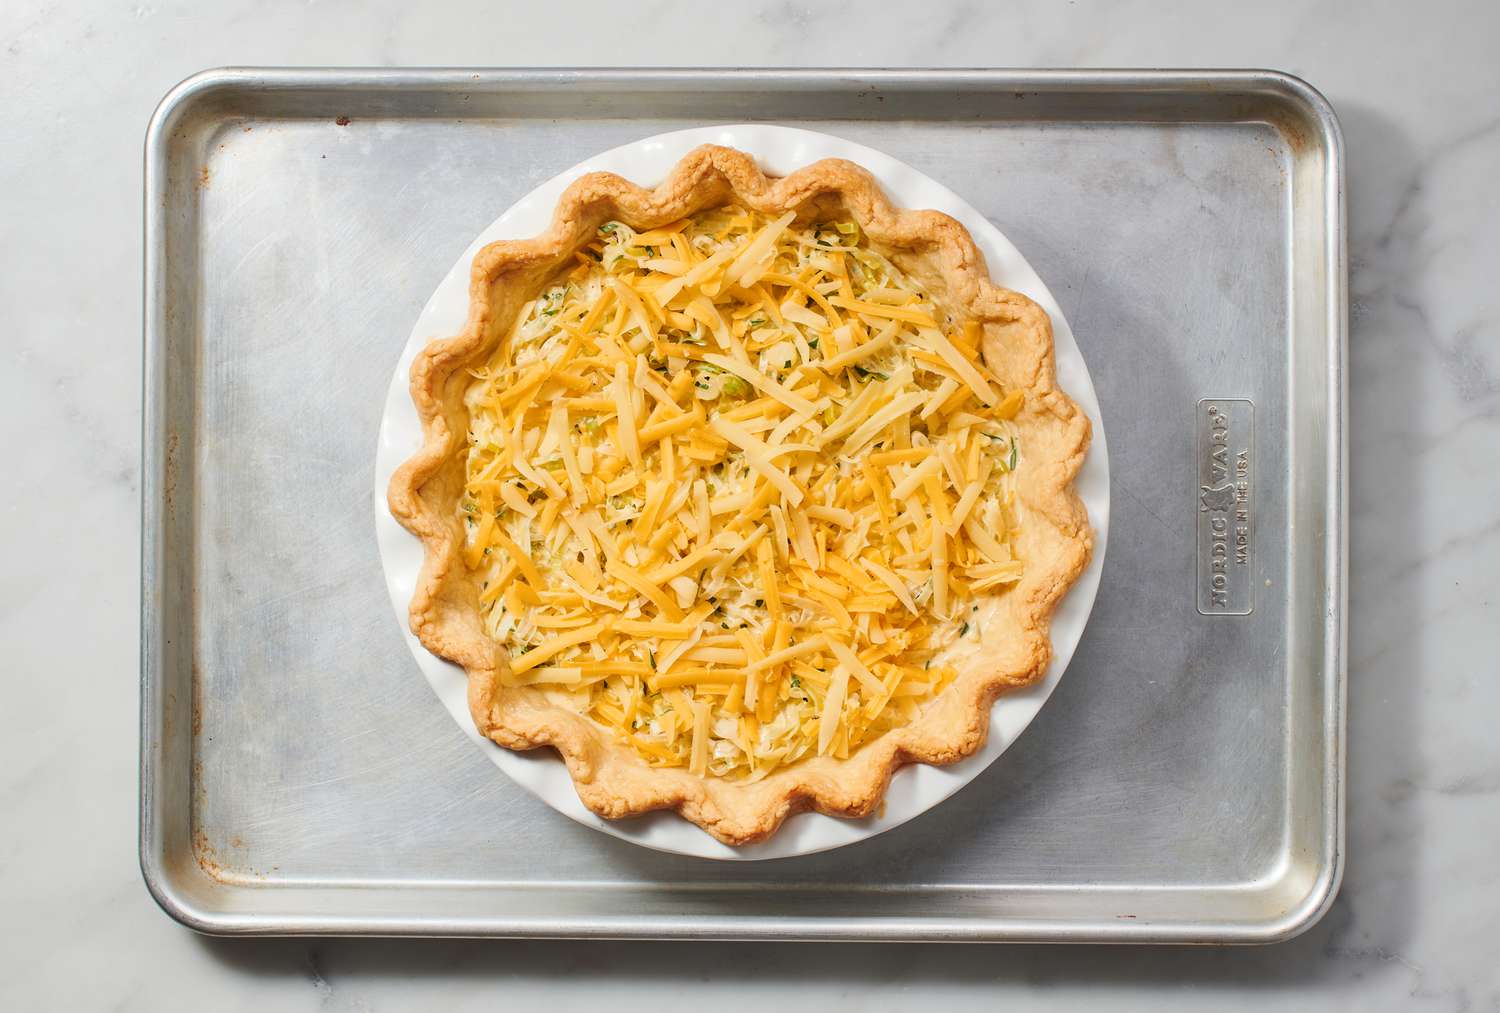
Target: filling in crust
[(737, 489)]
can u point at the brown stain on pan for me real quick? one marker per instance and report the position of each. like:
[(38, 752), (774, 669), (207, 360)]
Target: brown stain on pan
[(169, 480), (207, 858)]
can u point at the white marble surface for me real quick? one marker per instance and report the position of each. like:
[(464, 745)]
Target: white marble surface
[(1418, 88)]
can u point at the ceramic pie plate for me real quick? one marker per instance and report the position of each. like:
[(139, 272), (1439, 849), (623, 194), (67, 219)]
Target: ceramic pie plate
[(914, 788)]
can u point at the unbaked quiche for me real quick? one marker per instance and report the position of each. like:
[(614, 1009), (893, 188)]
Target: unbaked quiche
[(742, 492)]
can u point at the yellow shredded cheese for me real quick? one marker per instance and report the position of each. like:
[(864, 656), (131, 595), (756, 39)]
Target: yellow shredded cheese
[(734, 487)]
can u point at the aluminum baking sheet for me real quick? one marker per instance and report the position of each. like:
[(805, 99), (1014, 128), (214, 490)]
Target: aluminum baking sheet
[(1185, 783)]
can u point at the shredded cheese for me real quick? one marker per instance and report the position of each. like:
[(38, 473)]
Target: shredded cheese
[(732, 486)]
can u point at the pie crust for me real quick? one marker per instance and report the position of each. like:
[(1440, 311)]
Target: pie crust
[(1017, 347)]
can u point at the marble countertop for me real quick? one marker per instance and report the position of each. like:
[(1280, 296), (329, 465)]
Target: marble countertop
[(1418, 90)]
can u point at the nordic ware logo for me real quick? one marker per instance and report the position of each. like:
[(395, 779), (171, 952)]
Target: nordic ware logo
[(1225, 515), (1220, 499)]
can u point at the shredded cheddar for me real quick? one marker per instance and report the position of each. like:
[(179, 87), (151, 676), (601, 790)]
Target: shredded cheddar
[(733, 487)]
